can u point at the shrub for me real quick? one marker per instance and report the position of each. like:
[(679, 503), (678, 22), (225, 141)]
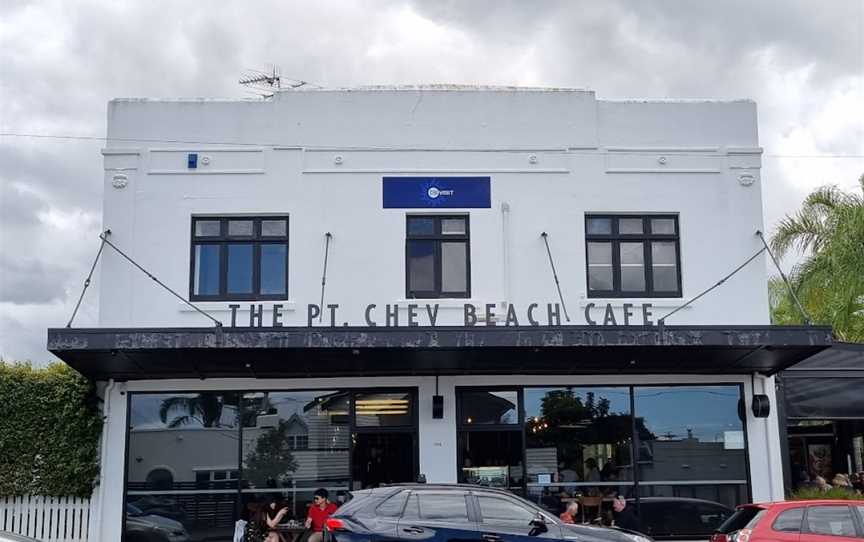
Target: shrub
[(812, 493), (49, 431)]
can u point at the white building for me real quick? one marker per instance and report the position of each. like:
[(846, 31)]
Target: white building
[(439, 344)]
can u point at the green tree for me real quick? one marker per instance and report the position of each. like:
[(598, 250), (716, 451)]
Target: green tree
[(271, 458), (829, 231)]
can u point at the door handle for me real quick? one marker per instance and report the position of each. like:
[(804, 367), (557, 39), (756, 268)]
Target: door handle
[(490, 537), (412, 530)]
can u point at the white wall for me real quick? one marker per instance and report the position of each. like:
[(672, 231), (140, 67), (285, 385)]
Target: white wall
[(591, 156)]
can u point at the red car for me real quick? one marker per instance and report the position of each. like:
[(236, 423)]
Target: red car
[(794, 521)]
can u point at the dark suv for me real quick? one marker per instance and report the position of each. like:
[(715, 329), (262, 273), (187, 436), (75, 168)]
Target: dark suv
[(455, 513)]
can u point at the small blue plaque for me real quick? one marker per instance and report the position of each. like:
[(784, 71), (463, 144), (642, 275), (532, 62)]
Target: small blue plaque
[(192, 160)]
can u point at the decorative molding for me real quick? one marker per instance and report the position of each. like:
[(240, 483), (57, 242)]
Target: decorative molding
[(744, 150), (661, 170), (473, 171), (662, 149), (205, 148), (120, 152), (207, 172)]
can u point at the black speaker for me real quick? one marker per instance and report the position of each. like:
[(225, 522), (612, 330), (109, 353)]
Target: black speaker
[(761, 406), (437, 407)]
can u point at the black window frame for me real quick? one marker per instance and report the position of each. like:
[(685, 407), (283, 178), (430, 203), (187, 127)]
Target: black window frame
[(256, 240), (438, 237), (646, 237)]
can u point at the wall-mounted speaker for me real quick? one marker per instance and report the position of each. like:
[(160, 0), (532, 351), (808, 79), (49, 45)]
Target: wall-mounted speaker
[(437, 407), (761, 406)]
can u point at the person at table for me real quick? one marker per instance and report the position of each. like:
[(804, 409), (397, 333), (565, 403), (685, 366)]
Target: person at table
[(320, 510), (624, 516), (569, 515), (264, 527)]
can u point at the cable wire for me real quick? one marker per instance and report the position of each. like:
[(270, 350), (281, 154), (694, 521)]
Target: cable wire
[(87, 280), (545, 237), (785, 280)]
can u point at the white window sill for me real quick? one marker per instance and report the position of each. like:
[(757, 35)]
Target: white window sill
[(222, 306), (618, 302), (443, 303)]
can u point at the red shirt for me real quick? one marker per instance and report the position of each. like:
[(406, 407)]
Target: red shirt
[(567, 518), (319, 516)]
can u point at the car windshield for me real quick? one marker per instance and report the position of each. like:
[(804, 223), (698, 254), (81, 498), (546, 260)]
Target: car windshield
[(743, 518)]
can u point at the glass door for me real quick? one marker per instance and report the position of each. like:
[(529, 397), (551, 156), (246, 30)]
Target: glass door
[(384, 438)]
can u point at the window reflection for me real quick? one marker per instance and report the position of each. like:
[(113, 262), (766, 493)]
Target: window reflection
[(578, 435), (489, 407)]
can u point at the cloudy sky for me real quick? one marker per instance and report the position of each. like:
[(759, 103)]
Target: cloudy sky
[(61, 61)]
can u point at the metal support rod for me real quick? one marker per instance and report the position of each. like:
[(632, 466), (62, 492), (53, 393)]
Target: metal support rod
[(806, 316), (160, 283), (545, 237), (662, 320), (87, 280), (327, 237)]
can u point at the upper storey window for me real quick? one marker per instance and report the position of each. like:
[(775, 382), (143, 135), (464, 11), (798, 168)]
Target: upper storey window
[(239, 258), (437, 256), (632, 255)]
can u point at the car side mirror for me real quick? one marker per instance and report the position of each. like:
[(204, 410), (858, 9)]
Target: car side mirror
[(538, 525)]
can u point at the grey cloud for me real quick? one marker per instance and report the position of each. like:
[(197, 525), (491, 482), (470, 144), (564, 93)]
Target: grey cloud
[(26, 281)]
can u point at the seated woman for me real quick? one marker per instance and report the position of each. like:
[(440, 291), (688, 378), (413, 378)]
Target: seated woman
[(569, 515), (264, 526)]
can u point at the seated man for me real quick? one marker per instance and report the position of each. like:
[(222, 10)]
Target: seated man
[(320, 510), (624, 516)]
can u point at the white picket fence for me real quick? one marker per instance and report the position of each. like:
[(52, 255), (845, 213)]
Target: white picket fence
[(49, 519)]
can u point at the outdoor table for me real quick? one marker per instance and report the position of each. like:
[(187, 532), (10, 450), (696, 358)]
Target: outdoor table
[(292, 532)]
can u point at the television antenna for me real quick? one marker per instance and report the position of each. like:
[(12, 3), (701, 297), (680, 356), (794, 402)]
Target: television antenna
[(267, 83)]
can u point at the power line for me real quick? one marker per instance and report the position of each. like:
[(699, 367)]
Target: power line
[(370, 148)]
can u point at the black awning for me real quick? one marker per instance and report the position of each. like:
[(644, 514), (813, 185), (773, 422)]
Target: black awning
[(829, 385), (132, 354)]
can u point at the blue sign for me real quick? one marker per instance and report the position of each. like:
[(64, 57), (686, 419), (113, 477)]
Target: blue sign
[(437, 192)]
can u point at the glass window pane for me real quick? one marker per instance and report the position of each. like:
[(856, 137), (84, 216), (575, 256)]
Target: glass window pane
[(690, 433), (454, 267), (239, 269), (382, 409), (274, 228), (177, 443), (275, 467), (599, 226), (421, 225), (449, 507), (600, 266), (273, 268), (577, 436), (207, 228), (453, 226), (500, 510), (491, 458), (789, 521), (206, 270), (663, 226), (421, 266), (629, 226), (240, 228), (697, 513), (664, 266), (489, 407), (632, 267), (830, 520), (392, 507)]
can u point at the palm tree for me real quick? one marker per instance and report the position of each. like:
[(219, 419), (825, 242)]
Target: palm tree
[(829, 231), (204, 409)]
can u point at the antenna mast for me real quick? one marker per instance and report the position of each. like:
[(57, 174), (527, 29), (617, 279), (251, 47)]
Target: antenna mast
[(269, 83)]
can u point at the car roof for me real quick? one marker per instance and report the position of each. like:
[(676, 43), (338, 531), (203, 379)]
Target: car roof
[(451, 487), (678, 499), (789, 504)]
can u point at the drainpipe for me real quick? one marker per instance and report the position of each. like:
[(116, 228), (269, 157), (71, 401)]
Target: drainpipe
[(505, 255), (106, 411)]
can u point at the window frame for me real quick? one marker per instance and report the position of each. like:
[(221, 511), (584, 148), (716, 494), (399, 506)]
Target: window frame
[(856, 523), (438, 238), (256, 240), (615, 239)]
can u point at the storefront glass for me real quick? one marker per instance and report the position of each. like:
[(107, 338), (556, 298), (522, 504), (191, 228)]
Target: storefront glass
[(197, 462), (579, 445)]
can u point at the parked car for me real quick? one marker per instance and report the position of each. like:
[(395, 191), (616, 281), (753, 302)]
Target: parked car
[(455, 513), (147, 527), (12, 537), (794, 521), (680, 517)]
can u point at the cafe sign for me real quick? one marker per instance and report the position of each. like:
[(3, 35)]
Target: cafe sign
[(412, 314)]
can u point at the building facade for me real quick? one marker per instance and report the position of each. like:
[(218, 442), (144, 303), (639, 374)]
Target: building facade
[(441, 283)]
